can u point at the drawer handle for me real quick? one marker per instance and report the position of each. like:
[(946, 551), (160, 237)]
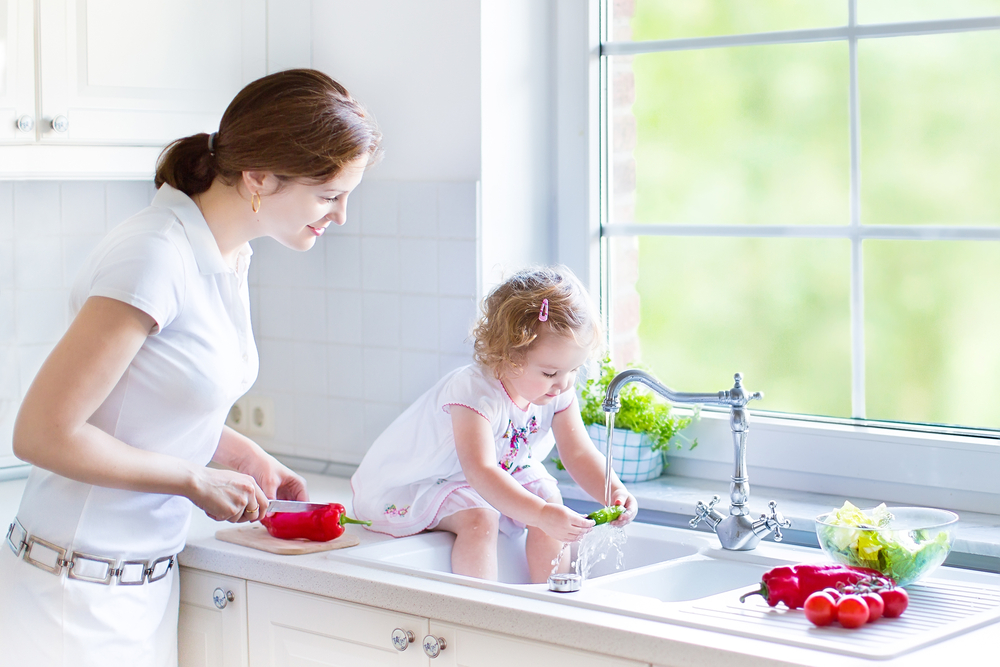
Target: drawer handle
[(401, 639), (221, 598), (26, 123), (434, 645), (60, 124)]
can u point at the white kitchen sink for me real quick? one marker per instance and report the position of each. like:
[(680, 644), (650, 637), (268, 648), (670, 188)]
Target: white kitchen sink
[(429, 554), (683, 577)]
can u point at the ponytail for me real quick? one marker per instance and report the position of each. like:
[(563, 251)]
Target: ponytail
[(187, 164)]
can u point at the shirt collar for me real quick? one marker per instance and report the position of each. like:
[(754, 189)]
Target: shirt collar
[(203, 243)]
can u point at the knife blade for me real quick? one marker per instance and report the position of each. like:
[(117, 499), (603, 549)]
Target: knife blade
[(275, 506)]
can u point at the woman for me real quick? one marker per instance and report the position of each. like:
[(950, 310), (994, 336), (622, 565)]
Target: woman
[(130, 406)]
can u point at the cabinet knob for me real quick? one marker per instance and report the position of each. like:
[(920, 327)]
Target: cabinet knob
[(401, 639), (26, 123), (434, 645), (221, 598), (60, 123)]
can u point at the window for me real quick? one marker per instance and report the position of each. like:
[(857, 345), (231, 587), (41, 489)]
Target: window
[(806, 191)]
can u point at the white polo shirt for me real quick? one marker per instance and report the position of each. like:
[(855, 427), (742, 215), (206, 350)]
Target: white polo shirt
[(175, 395)]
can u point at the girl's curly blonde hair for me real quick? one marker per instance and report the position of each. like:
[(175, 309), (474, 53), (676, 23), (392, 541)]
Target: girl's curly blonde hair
[(510, 321)]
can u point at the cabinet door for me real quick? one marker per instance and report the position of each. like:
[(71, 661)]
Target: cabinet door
[(292, 629), (144, 72), (208, 636), (466, 647), (17, 69)]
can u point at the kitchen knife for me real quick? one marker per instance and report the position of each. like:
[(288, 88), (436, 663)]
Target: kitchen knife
[(274, 506)]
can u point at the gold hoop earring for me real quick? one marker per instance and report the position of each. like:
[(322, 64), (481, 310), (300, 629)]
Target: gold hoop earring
[(255, 202)]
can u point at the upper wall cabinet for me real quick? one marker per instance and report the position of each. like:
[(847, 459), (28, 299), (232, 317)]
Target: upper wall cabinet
[(17, 70), (97, 87)]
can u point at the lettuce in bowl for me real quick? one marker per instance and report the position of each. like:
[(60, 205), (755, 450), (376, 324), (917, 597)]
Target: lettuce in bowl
[(905, 543)]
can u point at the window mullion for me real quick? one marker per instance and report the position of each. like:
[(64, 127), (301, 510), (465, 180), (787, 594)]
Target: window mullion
[(857, 260)]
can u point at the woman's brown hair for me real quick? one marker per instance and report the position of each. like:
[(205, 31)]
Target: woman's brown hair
[(510, 320), (298, 124)]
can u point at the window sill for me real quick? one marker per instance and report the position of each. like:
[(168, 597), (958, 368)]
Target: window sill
[(895, 466)]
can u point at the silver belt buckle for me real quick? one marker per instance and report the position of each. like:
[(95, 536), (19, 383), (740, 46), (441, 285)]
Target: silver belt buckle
[(60, 559), (143, 571), (151, 573), (109, 563), (16, 542)]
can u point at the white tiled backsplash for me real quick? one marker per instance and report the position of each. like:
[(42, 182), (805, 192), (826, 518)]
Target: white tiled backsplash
[(349, 333)]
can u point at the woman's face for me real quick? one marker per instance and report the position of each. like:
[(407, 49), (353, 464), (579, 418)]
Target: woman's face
[(298, 213)]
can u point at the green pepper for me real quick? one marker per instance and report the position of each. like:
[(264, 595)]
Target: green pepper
[(606, 514)]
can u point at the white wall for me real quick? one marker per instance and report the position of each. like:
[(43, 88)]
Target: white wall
[(519, 139), (415, 65)]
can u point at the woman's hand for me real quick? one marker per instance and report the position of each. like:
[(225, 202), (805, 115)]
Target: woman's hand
[(277, 480), (271, 477), (622, 497), (227, 495), (563, 524)]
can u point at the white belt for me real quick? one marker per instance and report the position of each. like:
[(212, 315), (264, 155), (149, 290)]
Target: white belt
[(85, 567)]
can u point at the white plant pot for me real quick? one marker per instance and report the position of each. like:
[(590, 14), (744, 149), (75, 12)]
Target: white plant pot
[(632, 455)]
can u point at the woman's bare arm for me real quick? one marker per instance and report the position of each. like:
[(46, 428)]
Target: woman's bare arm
[(52, 432)]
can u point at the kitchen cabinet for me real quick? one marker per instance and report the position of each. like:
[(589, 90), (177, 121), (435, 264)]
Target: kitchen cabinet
[(17, 70), (466, 647), (113, 81), (293, 629), (212, 627)]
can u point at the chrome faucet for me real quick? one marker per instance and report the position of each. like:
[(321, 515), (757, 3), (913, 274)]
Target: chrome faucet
[(736, 531)]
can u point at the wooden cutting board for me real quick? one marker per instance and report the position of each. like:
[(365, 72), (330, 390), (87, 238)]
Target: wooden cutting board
[(256, 536)]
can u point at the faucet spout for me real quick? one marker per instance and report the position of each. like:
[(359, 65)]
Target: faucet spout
[(735, 531)]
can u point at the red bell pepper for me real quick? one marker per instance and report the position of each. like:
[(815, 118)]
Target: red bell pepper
[(793, 584), (320, 525)]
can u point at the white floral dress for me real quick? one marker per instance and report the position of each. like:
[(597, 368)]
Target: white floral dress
[(412, 467)]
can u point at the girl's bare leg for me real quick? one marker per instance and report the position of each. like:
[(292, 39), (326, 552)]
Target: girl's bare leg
[(541, 550), (475, 551)]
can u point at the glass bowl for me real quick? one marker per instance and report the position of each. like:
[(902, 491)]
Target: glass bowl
[(907, 545)]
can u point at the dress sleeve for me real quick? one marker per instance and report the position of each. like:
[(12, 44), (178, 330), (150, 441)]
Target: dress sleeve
[(471, 389), (145, 271), (564, 401)]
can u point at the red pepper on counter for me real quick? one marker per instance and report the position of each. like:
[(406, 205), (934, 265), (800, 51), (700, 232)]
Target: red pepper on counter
[(793, 584), (321, 525)]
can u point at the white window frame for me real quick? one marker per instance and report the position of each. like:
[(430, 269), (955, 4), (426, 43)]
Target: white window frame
[(846, 457)]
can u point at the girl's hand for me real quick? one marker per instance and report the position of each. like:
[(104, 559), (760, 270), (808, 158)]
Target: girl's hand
[(561, 523), (226, 495), (623, 497)]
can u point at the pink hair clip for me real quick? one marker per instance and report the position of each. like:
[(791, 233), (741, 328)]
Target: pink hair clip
[(543, 312)]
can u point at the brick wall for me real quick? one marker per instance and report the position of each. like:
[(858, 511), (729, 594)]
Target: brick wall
[(624, 264)]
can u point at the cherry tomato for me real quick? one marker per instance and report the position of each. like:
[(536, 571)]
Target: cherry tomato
[(820, 608), (896, 601), (852, 611), (876, 606)]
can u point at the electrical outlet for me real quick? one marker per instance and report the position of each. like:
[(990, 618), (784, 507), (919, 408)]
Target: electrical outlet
[(260, 416), (239, 416)]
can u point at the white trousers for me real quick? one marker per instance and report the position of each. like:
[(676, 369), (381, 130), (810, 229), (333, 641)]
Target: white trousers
[(52, 621)]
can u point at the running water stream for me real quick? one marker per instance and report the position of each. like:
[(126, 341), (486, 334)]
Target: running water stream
[(609, 418), (596, 545)]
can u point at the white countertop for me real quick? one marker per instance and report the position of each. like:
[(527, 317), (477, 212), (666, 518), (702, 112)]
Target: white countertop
[(643, 640)]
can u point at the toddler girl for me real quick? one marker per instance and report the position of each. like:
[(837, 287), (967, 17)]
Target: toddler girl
[(466, 456)]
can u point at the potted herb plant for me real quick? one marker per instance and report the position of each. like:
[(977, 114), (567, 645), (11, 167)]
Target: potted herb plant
[(645, 426)]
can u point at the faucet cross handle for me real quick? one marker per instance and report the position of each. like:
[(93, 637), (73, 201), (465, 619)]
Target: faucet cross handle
[(775, 521), (703, 512)]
